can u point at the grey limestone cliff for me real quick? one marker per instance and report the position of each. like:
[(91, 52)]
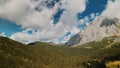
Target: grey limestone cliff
[(100, 28)]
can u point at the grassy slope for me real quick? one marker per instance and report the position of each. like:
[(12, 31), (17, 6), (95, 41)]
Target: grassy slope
[(42, 55)]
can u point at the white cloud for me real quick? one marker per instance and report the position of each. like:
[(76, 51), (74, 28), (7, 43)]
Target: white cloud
[(112, 9), (14, 9), (75, 30), (65, 38), (3, 34), (69, 17), (44, 35), (87, 19), (23, 13)]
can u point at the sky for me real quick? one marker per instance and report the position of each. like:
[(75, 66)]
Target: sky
[(55, 21)]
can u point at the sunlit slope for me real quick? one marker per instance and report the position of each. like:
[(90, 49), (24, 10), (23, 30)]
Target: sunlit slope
[(43, 55)]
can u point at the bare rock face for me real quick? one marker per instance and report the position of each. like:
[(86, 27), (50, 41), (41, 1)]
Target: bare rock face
[(74, 40), (100, 28)]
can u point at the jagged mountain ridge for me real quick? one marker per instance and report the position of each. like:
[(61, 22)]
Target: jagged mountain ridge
[(100, 28)]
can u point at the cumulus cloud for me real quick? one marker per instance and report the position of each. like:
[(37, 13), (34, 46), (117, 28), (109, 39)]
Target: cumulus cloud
[(88, 19), (75, 30), (13, 10), (112, 9), (69, 17), (44, 35), (3, 34), (23, 13)]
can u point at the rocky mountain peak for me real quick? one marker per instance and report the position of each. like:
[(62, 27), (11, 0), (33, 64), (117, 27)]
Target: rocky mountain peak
[(100, 28)]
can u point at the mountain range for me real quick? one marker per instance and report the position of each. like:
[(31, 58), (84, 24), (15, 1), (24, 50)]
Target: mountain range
[(96, 54), (98, 46), (100, 28)]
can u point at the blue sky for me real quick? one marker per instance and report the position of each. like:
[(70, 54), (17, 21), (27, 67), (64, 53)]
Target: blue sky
[(9, 27), (14, 24), (94, 6)]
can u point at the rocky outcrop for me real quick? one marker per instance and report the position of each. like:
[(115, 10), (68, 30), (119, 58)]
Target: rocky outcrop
[(74, 40), (100, 28)]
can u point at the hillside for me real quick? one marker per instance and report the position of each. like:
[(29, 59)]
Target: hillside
[(101, 54)]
